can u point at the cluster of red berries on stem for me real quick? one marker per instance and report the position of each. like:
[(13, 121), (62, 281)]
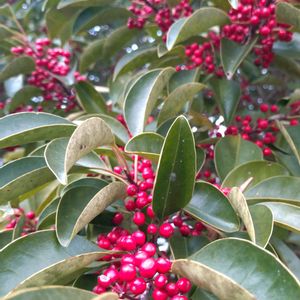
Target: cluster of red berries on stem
[(164, 15), (30, 221), (52, 64), (144, 268)]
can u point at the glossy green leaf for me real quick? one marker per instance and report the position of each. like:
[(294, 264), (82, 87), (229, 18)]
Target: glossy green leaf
[(232, 151), (239, 203), (24, 96), (81, 205), (287, 65), (175, 178), (142, 97), (83, 3), (248, 266), (183, 77), (47, 214), (289, 161), (134, 60), (288, 14), (182, 247), (279, 188), (203, 295), (227, 94), (35, 127), (22, 176), (262, 218), (20, 65), (233, 54), (90, 100), (287, 256), (177, 99), (147, 144), (5, 237), (257, 170), (62, 154), (201, 155), (200, 21), (52, 292), (46, 263), (211, 206), (285, 215)]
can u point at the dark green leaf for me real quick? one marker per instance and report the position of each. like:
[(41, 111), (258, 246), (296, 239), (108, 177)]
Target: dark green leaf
[(288, 14), (48, 214), (175, 178), (5, 237)]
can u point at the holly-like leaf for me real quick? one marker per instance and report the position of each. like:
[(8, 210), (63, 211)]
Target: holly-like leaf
[(89, 99), (285, 215), (211, 206), (35, 127), (233, 54), (80, 205), (232, 151), (257, 170), (62, 154), (21, 176), (238, 201), (143, 96), (147, 144), (46, 263), (20, 65), (177, 99), (200, 21), (175, 178), (275, 189), (262, 218), (237, 269), (227, 94), (288, 14)]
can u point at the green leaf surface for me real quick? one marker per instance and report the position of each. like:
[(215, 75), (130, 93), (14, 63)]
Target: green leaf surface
[(201, 155), (35, 127), (175, 178), (23, 96), (19, 227), (143, 96), (5, 237), (239, 203), (83, 3), (81, 205), (48, 214), (147, 144), (89, 99), (182, 247), (134, 60), (257, 170), (233, 54), (211, 206), (46, 262), (22, 176), (227, 94), (200, 21), (177, 99), (247, 265), (62, 154), (232, 151), (262, 218), (278, 188), (285, 215), (288, 14)]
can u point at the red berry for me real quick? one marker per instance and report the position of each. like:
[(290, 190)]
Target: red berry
[(148, 268), (267, 152), (139, 218), (163, 265), (30, 215), (150, 248), (139, 237), (166, 230), (264, 107), (159, 295), (183, 285), (160, 281), (138, 286), (127, 272), (152, 229), (104, 281), (118, 218), (172, 289), (131, 190)]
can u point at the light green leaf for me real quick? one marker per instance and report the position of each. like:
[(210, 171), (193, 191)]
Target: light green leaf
[(177, 99), (22, 176), (80, 205), (175, 178), (20, 65), (257, 170), (232, 151), (147, 144), (227, 94), (35, 127), (200, 21), (83, 3), (142, 97), (46, 263), (48, 214), (211, 206)]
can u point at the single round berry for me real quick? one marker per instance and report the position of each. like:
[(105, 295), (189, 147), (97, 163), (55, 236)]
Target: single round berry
[(166, 230), (138, 286), (160, 281), (127, 272), (148, 268), (139, 218), (104, 281), (163, 265), (131, 190), (183, 285), (159, 295)]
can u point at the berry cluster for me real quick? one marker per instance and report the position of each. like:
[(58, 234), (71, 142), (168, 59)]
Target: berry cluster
[(164, 16), (52, 64), (257, 17), (29, 223), (144, 268)]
